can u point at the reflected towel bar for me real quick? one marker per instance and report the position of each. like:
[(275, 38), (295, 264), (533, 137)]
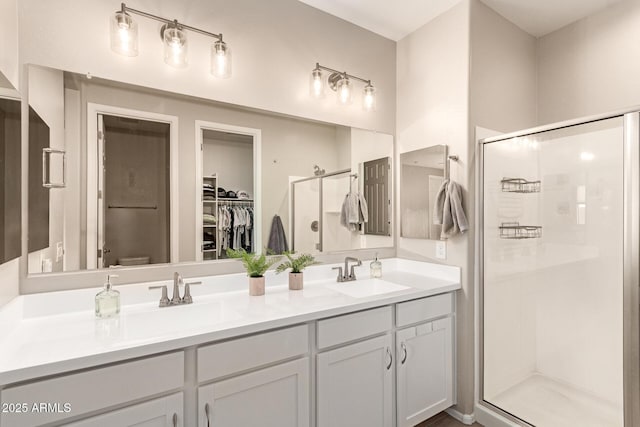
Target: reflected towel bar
[(132, 207)]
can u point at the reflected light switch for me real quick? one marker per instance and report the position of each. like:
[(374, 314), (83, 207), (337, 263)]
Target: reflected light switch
[(441, 249)]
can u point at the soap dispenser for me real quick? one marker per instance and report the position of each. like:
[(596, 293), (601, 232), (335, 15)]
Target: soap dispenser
[(108, 300), (376, 268)]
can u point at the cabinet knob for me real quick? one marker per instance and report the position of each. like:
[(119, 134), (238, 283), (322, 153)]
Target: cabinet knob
[(390, 358), (207, 412), (404, 353)]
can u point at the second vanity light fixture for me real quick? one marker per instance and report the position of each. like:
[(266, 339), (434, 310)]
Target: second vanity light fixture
[(124, 40), (340, 82)]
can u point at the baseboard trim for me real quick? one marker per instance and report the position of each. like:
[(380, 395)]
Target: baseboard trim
[(466, 419)]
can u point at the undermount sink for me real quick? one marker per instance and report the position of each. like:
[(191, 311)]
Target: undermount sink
[(366, 288)]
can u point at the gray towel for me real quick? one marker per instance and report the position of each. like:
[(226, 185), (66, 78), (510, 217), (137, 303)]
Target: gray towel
[(438, 207), (354, 211), (277, 239), (448, 210)]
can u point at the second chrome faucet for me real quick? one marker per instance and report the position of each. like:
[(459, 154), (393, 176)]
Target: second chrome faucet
[(343, 276), (175, 297)]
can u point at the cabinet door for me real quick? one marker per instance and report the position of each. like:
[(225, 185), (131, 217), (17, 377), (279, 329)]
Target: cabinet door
[(162, 412), (272, 397), (355, 385), (424, 371)]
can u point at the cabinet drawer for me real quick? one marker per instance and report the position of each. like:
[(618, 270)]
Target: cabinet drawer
[(157, 412), (423, 309), (226, 358), (95, 389), (350, 327)]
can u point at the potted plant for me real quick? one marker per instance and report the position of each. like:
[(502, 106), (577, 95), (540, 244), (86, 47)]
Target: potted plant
[(296, 264), (256, 265)]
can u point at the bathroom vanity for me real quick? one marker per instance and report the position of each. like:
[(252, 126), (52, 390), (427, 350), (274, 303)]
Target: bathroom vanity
[(375, 352)]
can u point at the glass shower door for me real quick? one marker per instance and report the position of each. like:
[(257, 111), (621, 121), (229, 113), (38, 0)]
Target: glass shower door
[(306, 215), (552, 281)]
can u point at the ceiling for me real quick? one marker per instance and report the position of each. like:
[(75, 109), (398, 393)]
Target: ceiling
[(395, 20)]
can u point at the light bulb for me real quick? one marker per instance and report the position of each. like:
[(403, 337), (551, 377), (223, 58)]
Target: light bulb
[(220, 60), (175, 46), (344, 91), (316, 87), (369, 98), (124, 34)]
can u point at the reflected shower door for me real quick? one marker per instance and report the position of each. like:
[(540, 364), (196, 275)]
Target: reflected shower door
[(336, 237), (306, 215), (552, 290)]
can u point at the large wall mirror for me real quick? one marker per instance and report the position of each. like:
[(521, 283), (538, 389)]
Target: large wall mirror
[(128, 176), (10, 171)]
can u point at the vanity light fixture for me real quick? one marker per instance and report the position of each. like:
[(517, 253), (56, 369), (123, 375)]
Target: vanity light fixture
[(124, 40), (341, 83)]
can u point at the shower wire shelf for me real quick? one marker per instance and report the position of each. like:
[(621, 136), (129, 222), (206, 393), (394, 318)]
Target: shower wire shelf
[(513, 230), (519, 185)]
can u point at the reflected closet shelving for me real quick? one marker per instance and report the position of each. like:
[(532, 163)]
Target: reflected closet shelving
[(209, 217)]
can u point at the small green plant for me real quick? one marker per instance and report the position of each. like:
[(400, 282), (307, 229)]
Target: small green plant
[(296, 264), (255, 264)]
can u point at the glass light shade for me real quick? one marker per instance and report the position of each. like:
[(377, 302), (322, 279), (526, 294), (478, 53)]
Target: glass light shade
[(369, 98), (175, 47), (124, 34), (316, 84), (220, 60), (344, 89)]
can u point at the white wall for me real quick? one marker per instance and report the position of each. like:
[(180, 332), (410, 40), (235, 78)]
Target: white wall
[(433, 108), (275, 46), (9, 272), (591, 66), (9, 41), (46, 97), (232, 161)]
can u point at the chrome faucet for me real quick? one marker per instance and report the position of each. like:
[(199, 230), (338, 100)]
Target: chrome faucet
[(342, 274), (175, 298)]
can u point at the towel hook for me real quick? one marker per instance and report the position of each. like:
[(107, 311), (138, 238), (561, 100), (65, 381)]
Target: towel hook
[(450, 158)]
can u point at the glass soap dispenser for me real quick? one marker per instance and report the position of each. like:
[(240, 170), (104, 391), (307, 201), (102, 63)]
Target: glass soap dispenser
[(108, 300), (376, 268)]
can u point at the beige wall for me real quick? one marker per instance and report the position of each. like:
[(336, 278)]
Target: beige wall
[(275, 46), (432, 102), (9, 41), (9, 67), (591, 66)]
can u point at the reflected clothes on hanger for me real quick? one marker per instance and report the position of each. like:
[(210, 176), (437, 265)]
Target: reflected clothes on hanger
[(236, 227)]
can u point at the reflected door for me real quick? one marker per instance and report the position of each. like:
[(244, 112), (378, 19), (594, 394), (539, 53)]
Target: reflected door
[(552, 288), (133, 197)]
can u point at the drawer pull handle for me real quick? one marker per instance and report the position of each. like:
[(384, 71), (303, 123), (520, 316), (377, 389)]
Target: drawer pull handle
[(208, 414), (404, 353), (175, 420), (390, 358)]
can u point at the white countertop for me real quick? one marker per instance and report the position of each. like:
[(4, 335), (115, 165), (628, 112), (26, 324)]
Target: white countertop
[(51, 333)]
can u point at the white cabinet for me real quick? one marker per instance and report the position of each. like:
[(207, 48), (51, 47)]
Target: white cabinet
[(162, 412), (277, 396), (355, 386), (424, 371)]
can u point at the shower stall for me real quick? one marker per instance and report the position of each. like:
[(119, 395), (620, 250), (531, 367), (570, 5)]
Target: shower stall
[(558, 274), (316, 203)]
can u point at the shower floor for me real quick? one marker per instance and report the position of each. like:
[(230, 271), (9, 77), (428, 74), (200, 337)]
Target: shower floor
[(544, 402)]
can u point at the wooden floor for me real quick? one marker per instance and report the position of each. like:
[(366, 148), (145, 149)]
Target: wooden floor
[(444, 420)]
